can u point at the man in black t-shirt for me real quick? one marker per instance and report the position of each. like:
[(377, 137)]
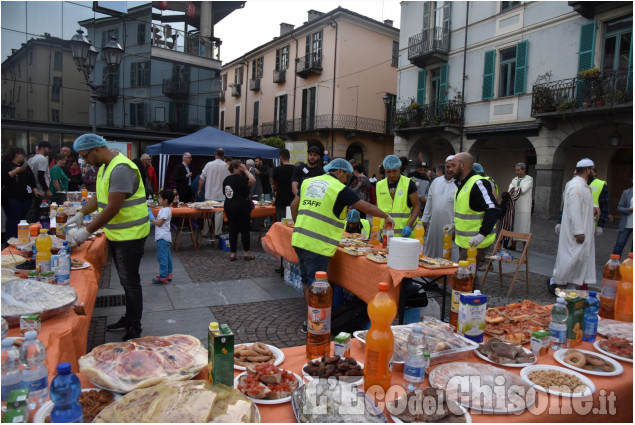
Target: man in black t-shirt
[(281, 177), (305, 171)]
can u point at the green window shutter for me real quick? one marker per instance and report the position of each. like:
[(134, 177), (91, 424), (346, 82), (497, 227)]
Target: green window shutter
[(133, 114), (443, 84), (587, 46), (522, 51), (421, 87), (488, 74)]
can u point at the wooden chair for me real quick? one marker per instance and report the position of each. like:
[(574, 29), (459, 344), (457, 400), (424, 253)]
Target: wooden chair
[(524, 259)]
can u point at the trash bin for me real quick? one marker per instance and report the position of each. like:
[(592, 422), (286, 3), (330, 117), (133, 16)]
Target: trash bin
[(224, 242)]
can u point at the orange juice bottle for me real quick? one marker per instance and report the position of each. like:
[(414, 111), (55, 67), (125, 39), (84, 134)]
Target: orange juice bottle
[(461, 282), (60, 220), (447, 246), (471, 260), (84, 192), (624, 297), (318, 321), (610, 279), (380, 340), (43, 244), (375, 230)]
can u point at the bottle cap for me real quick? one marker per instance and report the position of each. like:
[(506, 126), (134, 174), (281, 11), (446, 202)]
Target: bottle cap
[(43, 231), (592, 293), (630, 255), (320, 275), (64, 368), (615, 257), (463, 263), (30, 335), (477, 292), (60, 209), (213, 326), (23, 222), (560, 300), (383, 287)]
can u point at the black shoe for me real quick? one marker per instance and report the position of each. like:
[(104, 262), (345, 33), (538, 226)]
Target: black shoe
[(132, 332), (120, 325), (303, 328)]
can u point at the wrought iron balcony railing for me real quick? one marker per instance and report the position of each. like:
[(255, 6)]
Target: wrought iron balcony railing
[(308, 65), (254, 84), (576, 94), (431, 115), (249, 131), (191, 43), (236, 90), (176, 88), (279, 75), (108, 93), (324, 122), (429, 46)]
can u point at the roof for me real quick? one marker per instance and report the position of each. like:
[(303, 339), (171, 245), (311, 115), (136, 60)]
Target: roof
[(47, 40)]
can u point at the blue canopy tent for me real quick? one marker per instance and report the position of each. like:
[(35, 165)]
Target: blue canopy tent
[(205, 142)]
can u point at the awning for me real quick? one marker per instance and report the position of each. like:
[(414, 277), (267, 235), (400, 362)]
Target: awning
[(522, 129)]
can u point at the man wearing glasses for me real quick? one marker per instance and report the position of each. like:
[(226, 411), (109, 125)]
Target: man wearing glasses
[(183, 178), (123, 214)]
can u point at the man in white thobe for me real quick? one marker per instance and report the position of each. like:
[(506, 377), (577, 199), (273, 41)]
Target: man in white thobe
[(521, 190), (575, 260), (439, 210)]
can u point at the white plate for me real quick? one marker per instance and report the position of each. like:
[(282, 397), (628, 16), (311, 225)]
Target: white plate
[(261, 401), (45, 410), (618, 369), (352, 380), (275, 350), (84, 266), (596, 345), (484, 357), (524, 373), (468, 417)]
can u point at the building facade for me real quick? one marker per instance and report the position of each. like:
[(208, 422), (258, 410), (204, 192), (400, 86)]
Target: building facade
[(325, 82), (501, 80)]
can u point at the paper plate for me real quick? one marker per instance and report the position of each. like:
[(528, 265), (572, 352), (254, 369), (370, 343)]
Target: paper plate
[(275, 350), (617, 368), (45, 410), (484, 357), (524, 373), (261, 401), (84, 266), (596, 345), (352, 380)]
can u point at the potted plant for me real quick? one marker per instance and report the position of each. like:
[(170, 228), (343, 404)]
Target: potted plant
[(413, 105), (565, 105), (543, 99), (590, 73), (424, 123), (400, 122)]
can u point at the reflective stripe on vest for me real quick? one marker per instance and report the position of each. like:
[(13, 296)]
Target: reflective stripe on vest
[(316, 228), (131, 222), (397, 207), (467, 222), (597, 186)]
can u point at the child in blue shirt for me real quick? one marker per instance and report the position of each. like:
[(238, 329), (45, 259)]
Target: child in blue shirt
[(163, 237)]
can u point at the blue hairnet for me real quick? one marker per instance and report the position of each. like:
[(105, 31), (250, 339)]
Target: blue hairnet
[(352, 216), (478, 168), (88, 141), (339, 164), (392, 162)]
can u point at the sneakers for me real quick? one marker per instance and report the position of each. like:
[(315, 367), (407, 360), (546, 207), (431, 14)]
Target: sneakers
[(160, 280), (169, 277), (303, 327), (132, 332), (120, 325)]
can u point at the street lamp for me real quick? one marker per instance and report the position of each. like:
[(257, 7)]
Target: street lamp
[(85, 57), (387, 101)]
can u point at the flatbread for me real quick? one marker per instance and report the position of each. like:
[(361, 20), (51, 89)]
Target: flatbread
[(12, 260)]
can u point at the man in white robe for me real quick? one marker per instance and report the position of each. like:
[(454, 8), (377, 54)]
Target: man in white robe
[(575, 260), (439, 210), (521, 190)]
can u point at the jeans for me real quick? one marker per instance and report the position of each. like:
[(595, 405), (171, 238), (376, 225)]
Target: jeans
[(164, 257), (309, 263), (281, 212), (622, 238), (127, 256), (15, 211)]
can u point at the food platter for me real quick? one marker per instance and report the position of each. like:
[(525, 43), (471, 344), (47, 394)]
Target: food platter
[(436, 263), (596, 345), (352, 380), (610, 327), (525, 372), (275, 350), (84, 266), (617, 368), (43, 413), (484, 357), (30, 296), (466, 415), (263, 401)]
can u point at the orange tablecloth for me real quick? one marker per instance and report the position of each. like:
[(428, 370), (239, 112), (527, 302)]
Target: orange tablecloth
[(257, 212), (356, 274), (65, 336)]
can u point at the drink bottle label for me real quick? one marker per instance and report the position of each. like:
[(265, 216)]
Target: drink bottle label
[(414, 373), (319, 320), (37, 384), (609, 288), (590, 328)]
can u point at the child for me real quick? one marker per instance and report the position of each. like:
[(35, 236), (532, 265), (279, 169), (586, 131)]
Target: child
[(163, 237)]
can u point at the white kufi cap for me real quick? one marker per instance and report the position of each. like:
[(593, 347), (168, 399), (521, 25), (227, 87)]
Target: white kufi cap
[(449, 158), (585, 162)]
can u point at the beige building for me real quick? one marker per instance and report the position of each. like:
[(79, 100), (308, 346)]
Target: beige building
[(330, 82)]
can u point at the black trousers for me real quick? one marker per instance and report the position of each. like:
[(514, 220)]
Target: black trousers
[(239, 222), (127, 256)]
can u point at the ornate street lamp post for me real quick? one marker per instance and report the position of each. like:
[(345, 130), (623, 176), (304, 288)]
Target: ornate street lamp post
[(387, 100), (85, 56)]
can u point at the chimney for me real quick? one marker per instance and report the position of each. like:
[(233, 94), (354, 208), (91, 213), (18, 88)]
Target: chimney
[(314, 14), (286, 28), (388, 22)]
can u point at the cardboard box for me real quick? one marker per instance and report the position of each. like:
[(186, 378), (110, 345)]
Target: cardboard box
[(222, 356), (575, 321)]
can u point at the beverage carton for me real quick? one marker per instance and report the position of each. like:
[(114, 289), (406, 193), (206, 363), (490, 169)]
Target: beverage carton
[(575, 320), (222, 356), (472, 310)]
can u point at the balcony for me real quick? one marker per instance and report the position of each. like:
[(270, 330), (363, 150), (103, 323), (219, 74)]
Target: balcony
[(235, 89), (279, 75), (325, 122), (254, 84), (248, 131), (309, 65), (188, 42), (429, 47), (178, 89), (581, 96), (414, 118), (589, 9), (108, 93)]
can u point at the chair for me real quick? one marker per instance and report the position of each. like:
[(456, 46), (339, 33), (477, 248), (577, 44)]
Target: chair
[(524, 259)]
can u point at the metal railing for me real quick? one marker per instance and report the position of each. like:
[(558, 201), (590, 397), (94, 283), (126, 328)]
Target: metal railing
[(323, 122), (609, 89), (254, 84), (432, 39), (279, 75), (108, 92), (236, 90), (433, 114), (176, 87), (312, 61), (191, 43), (248, 131)]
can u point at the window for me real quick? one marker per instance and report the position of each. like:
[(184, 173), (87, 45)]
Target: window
[(280, 114), (140, 74), (211, 111), (506, 5), (56, 89), (110, 115), (57, 61), (222, 121), (256, 68), (282, 58), (395, 53), (106, 34), (223, 82), (141, 34), (309, 101), (238, 75), (55, 115), (436, 14), (256, 113), (616, 55), (421, 87), (237, 120), (313, 49), (137, 114), (507, 68), (512, 69)]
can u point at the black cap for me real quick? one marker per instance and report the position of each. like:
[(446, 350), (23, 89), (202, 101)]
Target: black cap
[(422, 164), (314, 149)]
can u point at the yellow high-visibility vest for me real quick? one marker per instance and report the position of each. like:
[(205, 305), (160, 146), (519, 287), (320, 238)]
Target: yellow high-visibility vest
[(597, 186), (397, 207), (467, 222)]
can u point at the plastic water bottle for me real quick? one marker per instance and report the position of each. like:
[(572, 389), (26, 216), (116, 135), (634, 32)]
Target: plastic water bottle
[(414, 369), (65, 391), (591, 308), (10, 368), (34, 374), (63, 268), (558, 325)]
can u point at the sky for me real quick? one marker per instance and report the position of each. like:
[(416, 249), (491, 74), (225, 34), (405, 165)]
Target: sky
[(259, 21)]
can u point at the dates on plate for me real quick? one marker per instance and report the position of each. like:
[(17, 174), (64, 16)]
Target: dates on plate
[(335, 366)]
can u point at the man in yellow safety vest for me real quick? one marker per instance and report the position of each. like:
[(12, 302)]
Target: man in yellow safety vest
[(356, 224), (123, 214), (397, 195), (600, 193)]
